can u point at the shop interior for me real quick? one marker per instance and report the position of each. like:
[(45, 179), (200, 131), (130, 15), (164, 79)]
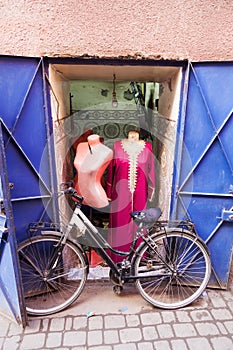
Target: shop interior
[(107, 100)]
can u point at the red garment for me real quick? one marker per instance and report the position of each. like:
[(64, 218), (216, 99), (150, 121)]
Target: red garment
[(130, 183)]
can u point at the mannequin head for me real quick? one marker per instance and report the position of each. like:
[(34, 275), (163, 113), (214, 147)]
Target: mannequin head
[(133, 136)]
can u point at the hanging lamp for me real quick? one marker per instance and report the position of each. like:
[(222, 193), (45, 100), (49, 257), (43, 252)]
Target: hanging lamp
[(114, 98)]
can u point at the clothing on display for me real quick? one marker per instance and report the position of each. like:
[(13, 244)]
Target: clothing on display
[(130, 184)]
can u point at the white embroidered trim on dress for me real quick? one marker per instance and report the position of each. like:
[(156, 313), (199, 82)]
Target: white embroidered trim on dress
[(133, 149)]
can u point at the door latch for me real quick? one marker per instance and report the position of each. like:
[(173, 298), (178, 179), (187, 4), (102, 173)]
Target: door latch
[(227, 215)]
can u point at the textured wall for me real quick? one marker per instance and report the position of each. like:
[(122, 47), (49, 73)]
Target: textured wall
[(168, 29)]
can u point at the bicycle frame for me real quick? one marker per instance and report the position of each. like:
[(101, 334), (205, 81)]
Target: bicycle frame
[(97, 241)]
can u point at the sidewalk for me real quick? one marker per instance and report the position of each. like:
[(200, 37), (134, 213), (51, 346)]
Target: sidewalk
[(101, 320)]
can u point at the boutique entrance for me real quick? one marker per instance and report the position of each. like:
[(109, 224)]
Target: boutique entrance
[(107, 100)]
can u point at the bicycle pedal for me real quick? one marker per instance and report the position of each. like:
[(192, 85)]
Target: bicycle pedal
[(118, 289)]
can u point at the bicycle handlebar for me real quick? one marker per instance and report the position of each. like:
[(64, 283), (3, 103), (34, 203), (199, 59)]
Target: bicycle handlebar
[(72, 192)]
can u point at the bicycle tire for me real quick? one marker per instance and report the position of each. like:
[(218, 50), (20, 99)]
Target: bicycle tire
[(175, 268), (50, 290)]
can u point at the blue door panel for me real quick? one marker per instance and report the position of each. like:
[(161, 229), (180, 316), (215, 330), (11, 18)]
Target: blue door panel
[(210, 175), (221, 254), (216, 81), (8, 289), (26, 119), (30, 161), (16, 74), (27, 129), (11, 291), (205, 216), (204, 179)]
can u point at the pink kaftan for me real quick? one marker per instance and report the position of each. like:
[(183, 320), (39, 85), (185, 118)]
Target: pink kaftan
[(130, 184)]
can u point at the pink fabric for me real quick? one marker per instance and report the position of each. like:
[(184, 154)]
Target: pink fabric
[(123, 201)]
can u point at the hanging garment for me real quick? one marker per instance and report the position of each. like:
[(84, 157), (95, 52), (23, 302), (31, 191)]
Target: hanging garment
[(130, 184)]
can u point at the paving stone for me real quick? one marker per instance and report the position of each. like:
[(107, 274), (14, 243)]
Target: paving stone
[(222, 343), (226, 295), (68, 323), (129, 335), (221, 327), (217, 302), (44, 325), (183, 316), (5, 325), (230, 306), (101, 347), (198, 344), (132, 320), (57, 324), (168, 317), (184, 330), (94, 338), (150, 333), (11, 343), (54, 340), (151, 318), (206, 328), (74, 338), (221, 314), (79, 322), (33, 341), (165, 331), (179, 344), (14, 329), (114, 321), (229, 326), (162, 345), (111, 337), (33, 326), (145, 346), (201, 315), (95, 322), (124, 347)]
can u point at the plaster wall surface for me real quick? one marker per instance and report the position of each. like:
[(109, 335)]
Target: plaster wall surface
[(173, 29)]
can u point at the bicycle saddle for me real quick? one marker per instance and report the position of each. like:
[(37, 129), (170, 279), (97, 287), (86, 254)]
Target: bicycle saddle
[(147, 216)]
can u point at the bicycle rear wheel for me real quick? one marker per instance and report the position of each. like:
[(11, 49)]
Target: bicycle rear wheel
[(51, 284), (173, 269)]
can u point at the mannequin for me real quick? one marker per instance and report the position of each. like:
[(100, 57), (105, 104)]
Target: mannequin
[(130, 184), (91, 160)]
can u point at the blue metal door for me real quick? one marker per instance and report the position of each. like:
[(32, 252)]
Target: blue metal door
[(203, 183), (11, 293), (27, 141)]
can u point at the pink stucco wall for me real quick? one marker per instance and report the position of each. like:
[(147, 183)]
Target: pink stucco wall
[(169, 29)]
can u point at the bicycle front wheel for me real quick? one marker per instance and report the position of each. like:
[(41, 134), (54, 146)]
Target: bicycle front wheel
[(173, 269), (52, 280)]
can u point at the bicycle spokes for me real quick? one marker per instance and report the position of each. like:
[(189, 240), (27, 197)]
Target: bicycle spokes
[(173, 271)]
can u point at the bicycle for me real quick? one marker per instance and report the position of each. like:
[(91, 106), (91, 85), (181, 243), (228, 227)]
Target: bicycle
[(171, 266)]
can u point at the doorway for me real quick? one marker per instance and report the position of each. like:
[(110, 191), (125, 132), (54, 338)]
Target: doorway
[(82, 100)]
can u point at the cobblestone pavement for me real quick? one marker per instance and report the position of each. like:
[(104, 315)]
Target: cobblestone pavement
[(127, 323)]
